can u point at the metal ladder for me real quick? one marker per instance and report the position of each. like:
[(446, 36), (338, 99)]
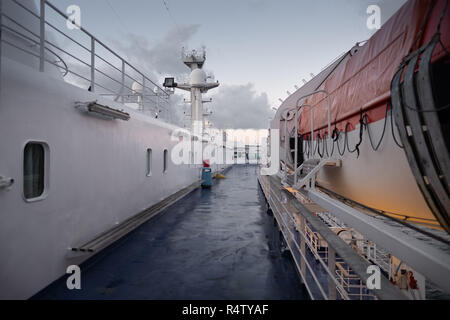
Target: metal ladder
[(307, 172)]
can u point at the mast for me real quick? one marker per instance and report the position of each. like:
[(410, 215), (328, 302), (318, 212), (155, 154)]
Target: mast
[(197, 86)]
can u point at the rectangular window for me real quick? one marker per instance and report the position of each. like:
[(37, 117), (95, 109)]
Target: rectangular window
[(165, 161), (33, 170), (149, 162)]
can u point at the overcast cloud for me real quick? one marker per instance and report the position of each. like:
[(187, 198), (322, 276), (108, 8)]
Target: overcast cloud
[(239, 106), (233, 106), (163, 57)]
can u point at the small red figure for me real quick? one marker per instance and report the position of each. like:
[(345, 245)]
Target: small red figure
[(412, 281)]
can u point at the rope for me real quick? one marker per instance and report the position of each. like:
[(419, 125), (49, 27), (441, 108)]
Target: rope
[(318, 143), (428, 110), (393, 134), (422, 28), (438, 30), (346, 139), (337, 143), (364, 124), (177, 28), (118, 16)]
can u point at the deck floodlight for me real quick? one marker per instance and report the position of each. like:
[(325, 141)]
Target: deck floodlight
[(169, 83)]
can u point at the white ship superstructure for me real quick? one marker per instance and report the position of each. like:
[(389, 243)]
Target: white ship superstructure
[(83, 158)]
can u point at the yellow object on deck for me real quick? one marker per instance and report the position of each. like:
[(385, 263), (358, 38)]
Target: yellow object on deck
[(219, 176)]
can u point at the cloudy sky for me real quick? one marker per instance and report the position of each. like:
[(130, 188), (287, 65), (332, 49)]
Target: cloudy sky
[(257, 49)]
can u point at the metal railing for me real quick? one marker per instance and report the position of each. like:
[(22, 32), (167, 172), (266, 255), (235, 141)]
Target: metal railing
[(121, 80), (312, 123), (287, 222), (296, 169), (297, 109), (309, 238), (348, 280), (366, 248), (355, 288)]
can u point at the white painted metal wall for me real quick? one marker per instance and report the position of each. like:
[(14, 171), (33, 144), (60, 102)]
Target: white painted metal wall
[(96, 174)]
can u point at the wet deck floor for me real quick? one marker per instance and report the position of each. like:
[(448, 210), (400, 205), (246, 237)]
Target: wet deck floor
[(212, 244)]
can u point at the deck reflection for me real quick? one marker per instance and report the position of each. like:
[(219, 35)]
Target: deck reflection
[(212, 244)]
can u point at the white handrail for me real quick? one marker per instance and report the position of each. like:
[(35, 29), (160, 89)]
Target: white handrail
[(124, 71), (296, 135), (329, 107), (297, 108)]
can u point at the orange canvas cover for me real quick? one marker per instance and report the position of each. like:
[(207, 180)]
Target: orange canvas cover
[(363, 81)]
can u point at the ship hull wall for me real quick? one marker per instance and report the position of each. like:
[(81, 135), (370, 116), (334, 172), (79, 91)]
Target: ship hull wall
[(96, 174)]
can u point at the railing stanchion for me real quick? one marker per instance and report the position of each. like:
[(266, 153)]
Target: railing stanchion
[(329, 119), (42, 37), (92, 64), (302, 247), (123, 81), (312, 112), (312, 130), (296, 147), (143, 92), (332, 268), (285, 146), (45, 47)]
